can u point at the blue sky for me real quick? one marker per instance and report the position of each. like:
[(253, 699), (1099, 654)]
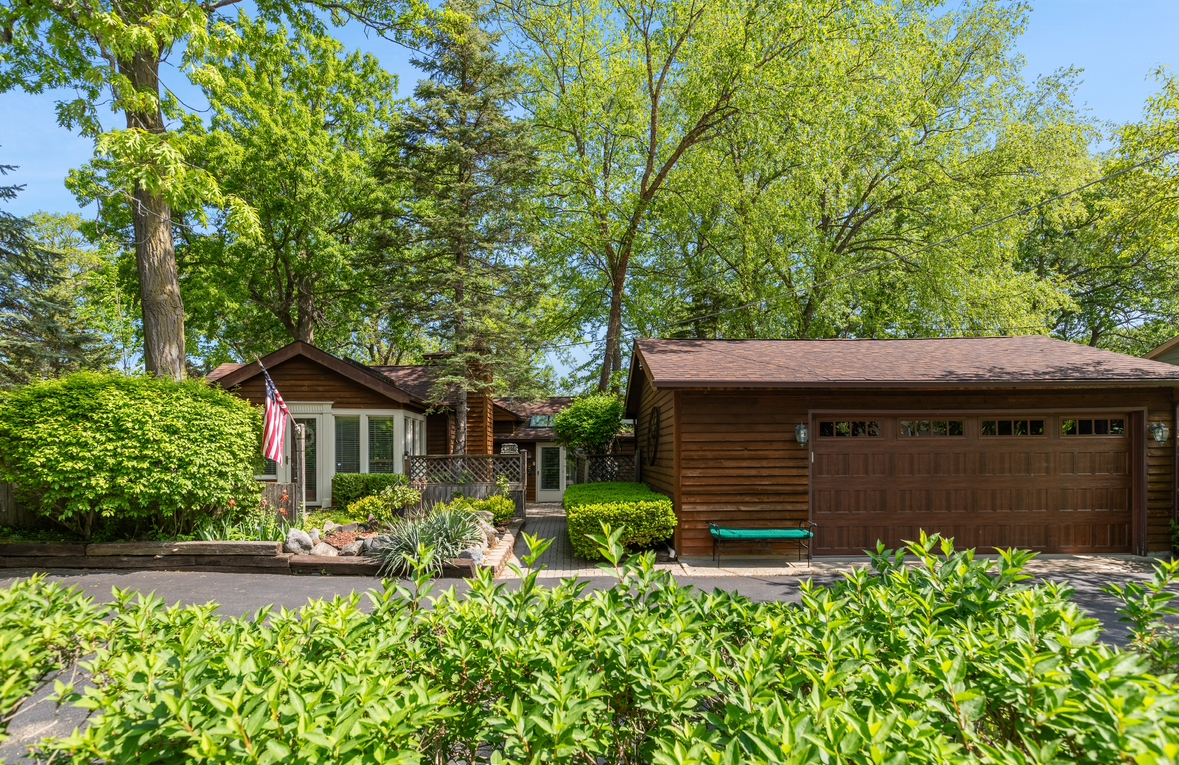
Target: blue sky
[(1116, 42)]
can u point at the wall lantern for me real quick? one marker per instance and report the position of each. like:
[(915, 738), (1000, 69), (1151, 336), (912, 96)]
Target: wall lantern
[(801, 434), (1159, 432)]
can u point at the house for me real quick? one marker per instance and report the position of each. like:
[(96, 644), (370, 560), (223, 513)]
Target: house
[(364, 419), (1168, 352), (998, 442)]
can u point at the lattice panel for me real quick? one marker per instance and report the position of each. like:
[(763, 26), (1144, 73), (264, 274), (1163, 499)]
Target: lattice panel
[(462, 469), (610, 467)]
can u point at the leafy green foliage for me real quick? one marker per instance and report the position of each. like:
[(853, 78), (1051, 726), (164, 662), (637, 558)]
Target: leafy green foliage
[(1148, 610), (43, 627), (590, 423), (349, 487), (641, 516), (931, 656), (96, 447), (385, 505), (502, 508), (443, 532)]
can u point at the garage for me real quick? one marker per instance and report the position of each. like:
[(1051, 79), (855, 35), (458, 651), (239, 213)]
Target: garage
[(1025, 442), (1052, 482)]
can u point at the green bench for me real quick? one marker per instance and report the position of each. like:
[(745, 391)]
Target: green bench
[(762, 538)]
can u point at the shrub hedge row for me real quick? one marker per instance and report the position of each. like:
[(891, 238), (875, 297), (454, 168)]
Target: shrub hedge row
[(642, 516), (349, 487), (949, 660)]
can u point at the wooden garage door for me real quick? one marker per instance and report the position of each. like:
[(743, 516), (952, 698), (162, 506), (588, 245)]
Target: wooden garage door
[(1053, 483)]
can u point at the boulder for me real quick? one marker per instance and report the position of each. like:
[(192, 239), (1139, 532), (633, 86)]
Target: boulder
[(488, 531), (368, 543), (323, 549), (484, 515), (473, 553), (328, 526), (353, 549), (314, 534), (298, 542)]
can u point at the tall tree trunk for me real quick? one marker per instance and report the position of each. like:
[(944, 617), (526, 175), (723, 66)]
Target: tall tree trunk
[(305, 329), (460, 422), (613, 331), (155, 251)]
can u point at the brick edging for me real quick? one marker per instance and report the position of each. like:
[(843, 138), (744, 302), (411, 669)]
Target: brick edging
[(497, 557)]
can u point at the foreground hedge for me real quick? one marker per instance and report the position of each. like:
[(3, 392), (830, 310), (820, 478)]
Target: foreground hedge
[(642, 516), (953, 660), (43, 627), (93, 447)]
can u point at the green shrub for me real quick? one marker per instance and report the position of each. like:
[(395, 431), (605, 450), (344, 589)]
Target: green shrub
[(44, 627), (925, 659), (349, 487), (446, 531), (385, 505), (92, 448), (502, 508), (601, 493), (590, 423)]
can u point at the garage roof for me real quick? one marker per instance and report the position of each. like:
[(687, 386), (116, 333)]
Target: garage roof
[(930, 362)]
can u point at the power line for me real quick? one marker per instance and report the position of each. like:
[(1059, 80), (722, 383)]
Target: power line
[(949, 240)]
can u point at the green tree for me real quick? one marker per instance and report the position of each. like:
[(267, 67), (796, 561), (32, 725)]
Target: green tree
[(591, 423), (1114, 248), (295, 122), (40, 335), (114, 49), (462, 236), (623, 93), (849, 213)]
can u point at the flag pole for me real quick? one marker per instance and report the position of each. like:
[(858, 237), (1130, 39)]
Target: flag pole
[(299, 459)]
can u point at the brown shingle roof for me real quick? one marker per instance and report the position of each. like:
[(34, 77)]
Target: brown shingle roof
[(984, 361), (222, 370)]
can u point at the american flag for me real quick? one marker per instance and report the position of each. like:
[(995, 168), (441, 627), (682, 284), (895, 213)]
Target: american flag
[(275, 430)]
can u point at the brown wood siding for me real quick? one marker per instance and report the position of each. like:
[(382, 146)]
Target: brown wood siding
[(739, 461), (660, 476), (300, 379), (439, 433), (480, 425)]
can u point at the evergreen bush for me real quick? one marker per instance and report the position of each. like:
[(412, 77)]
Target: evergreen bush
[(590, 423), (96, 448), (642, 516)]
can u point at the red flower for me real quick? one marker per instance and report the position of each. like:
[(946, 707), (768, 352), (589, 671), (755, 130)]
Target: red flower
[(233, 503)]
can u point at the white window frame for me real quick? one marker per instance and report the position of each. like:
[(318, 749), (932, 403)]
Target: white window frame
[(326, 414)]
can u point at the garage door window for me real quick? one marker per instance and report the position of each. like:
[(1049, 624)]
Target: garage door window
[(909, 428), (1070, 427), (1012, 428), (850, 429)]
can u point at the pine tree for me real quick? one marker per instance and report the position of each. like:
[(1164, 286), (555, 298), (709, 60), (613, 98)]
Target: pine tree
[(38, 335), (467, 167)]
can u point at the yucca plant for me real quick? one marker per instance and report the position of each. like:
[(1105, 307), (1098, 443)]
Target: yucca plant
[(447, 530)]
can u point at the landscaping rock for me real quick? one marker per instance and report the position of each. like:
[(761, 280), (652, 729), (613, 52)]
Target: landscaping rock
[(484, 515), (368, 543), (298, 542), (488, 531), (328, 526), (473, 553), (353, 549), (314, 534), (324, 549)]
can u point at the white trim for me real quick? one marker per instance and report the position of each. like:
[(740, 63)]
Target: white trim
[(550, 495)]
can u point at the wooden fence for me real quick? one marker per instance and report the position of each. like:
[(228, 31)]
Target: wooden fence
[(439, 477), (11, 514), (281, 497)]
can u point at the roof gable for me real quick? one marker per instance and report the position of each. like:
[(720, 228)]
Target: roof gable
[(232, 375)]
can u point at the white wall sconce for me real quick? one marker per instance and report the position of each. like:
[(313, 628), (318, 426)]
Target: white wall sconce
[(1159, 432), (801, 434)]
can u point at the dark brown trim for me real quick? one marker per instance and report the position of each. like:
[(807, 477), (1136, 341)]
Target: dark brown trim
[(355, 372), (1138, 524)]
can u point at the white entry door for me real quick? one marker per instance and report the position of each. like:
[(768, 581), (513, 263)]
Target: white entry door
[(550, 472)]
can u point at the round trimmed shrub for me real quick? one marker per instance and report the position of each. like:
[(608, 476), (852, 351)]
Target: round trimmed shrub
[(93, 448)]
